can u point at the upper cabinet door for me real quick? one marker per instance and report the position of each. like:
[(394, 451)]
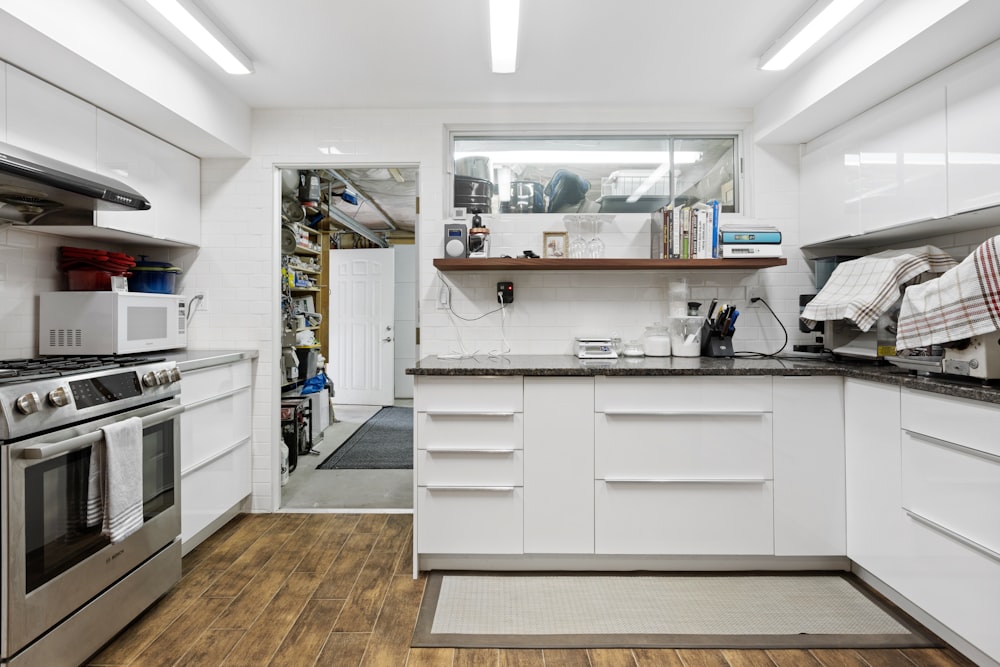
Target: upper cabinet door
[(974, 139), (3, 101), (829, 189), (49, 121), (902, 159), (164, 174)]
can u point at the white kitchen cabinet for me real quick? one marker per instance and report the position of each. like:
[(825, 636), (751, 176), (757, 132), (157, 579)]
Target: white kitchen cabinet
[(683, 465), (829, 187), (902, 159), (215, 447), (875, 519), (468, 439), (950, 495), (559, 465), (164, 174), (49, 121), (973, 95), (809, 501)]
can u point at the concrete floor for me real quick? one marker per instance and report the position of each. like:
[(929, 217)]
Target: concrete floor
[(309, 489)]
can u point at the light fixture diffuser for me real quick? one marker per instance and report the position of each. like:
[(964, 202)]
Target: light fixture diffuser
[(504, 16), (804, 33), (206, 35)]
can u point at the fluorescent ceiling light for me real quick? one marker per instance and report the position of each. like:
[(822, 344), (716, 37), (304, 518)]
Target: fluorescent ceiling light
[(584, 157), (809, 29), (196, 26), (503, 34)]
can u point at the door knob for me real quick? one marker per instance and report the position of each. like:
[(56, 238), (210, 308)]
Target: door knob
[(387, 339)]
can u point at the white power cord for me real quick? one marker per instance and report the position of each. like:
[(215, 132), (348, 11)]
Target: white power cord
[(504, 347), (465, 354)]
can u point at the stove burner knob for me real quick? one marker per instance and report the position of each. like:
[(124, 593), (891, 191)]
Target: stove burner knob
[(29, 403), (149, 379), (59, 397), (162, 377), (175, 374)]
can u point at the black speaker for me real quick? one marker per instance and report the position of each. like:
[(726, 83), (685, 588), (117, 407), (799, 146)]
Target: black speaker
[(456, 240)]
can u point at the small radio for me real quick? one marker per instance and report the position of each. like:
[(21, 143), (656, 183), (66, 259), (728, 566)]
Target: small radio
[(456, 240)]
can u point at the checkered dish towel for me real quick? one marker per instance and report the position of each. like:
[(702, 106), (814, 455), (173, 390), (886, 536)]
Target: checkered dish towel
[(963, 302), (862, 289)]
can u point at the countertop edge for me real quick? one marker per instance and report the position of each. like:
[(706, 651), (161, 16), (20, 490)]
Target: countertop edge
[(884, 374)]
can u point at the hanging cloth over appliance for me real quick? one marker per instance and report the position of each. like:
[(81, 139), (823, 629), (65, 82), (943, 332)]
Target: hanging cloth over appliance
[(963, 302)]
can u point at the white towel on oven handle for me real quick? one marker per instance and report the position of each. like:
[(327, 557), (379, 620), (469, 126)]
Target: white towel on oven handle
[(122, 478), (95, 485)]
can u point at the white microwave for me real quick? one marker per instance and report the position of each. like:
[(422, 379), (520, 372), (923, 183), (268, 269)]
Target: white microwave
[(110, 322)]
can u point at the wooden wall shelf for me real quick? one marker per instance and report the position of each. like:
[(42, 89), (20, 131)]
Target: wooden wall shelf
[(543, 264)]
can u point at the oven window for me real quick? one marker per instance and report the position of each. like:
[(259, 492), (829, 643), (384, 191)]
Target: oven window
[(57, 536)]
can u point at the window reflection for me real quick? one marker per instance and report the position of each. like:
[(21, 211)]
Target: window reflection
[(593, 174)]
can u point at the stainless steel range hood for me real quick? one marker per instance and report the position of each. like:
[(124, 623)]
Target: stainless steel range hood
[(36, 190)]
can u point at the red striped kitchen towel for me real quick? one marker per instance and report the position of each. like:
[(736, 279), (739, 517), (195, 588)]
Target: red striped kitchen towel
[(963, 302), (862, 289)]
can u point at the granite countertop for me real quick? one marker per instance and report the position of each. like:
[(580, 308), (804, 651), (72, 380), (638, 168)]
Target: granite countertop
[(562, 365), (189, 360)]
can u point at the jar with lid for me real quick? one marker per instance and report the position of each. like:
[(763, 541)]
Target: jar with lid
[(656, 341)]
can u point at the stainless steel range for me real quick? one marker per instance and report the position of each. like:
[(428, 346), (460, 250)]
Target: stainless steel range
[(67, 588)]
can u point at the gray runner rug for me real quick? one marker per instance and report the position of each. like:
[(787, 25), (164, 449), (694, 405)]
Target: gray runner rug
[(384, 442), (688, 610)]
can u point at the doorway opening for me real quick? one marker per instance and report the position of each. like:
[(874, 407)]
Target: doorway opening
[(348, 309)]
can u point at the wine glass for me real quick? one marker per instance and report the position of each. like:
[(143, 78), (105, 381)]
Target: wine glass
[(595, 246), (577, 248)]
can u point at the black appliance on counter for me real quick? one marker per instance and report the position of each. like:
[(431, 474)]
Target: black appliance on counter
[(67, 588)]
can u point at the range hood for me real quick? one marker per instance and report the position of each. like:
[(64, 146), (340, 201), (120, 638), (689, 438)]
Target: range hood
[(36, 190)]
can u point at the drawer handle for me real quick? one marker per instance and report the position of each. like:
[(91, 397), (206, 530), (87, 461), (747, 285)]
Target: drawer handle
[(492, 489), (456, 450), (456, 413), (933, 525), (978, 453), (686, 480), (684, 413)]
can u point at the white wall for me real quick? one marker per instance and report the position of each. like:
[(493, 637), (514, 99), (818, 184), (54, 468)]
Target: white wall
[(405, 348)]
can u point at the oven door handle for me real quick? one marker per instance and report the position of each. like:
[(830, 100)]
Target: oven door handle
[(47, 450)]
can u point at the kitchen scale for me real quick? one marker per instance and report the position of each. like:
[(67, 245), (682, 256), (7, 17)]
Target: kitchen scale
[(595, 348)]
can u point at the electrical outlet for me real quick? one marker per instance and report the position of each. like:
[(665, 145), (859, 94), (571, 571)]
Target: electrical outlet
[(754, 292), (444, 298), (505, 292), (201, 305)]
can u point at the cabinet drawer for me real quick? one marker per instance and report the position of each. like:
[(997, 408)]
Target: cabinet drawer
[(683, 446), (478, 467), (203, 383), (208, 492), (213, 426), (468, 394), (684, 518), (469, 430), (957, 489), (963, 422), (701, 395), (470, 520)]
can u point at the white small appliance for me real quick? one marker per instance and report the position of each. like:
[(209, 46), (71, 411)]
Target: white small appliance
[(979, 359), (595, 348), (72, 323)]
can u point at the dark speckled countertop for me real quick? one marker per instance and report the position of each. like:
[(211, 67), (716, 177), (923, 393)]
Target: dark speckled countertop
[(550, 365)]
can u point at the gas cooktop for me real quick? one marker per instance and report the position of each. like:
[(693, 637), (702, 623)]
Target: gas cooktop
[(37, 368)]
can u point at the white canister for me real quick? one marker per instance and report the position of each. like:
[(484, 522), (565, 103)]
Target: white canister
[(656, 341), (685, 334)]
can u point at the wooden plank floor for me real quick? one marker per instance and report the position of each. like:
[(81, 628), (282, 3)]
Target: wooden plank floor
[(337, 589)]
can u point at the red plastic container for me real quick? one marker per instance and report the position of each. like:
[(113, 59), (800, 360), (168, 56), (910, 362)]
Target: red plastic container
[(88, 280)]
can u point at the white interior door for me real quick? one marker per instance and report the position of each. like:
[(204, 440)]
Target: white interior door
[(362, 288)]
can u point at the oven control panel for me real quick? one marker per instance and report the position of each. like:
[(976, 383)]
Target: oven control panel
[(105, 389)]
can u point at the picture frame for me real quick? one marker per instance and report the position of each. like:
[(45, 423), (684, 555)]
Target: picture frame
[(555, 245)]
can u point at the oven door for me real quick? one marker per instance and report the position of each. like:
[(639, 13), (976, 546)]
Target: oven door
[(54, 563)]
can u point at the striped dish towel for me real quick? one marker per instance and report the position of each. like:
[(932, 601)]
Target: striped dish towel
[(963, 302), (122, 478), (862, 289)]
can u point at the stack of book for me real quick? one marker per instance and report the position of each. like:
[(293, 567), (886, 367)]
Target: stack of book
[(750, 240), (687, 232)]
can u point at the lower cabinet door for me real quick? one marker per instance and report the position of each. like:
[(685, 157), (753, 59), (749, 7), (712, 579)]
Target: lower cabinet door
[(470, 520), (213, 489), (684, 517)]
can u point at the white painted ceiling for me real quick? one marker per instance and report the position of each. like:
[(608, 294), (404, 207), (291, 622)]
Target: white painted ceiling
[(421, 53)]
